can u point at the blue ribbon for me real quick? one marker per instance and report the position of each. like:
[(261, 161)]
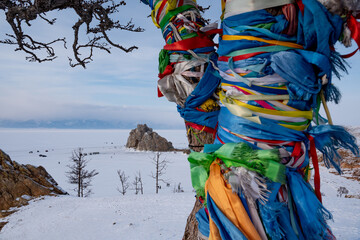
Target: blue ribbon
[(203, 91)]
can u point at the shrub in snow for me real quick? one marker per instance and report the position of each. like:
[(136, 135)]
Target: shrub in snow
[(123, 181), (79, 175)]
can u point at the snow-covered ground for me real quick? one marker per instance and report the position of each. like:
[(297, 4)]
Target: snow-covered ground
[(131, 217), (109, 215), (57, 145)]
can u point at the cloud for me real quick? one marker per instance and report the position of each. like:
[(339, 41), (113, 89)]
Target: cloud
[(55, 90), (114, 86), (21, 110)]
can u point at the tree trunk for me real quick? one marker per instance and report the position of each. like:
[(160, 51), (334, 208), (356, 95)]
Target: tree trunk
[(191, 229), (79, 181), (196, 139), (157, 172)]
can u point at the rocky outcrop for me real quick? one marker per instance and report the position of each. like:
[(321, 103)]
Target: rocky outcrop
[(144, 138), (21, 183)]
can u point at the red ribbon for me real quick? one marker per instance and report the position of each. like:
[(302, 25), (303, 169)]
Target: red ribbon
[(240, 57), (301, 6), (290, 11), (217, 136), (316, 167), (297, 150), (190, 43), (203, 40), (168, 70), (160, 10), (202, 202), (354, 27), (160, 94), (200, 127)]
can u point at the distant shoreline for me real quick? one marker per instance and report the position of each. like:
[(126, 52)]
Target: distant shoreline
[(81, 129), (83, 124)]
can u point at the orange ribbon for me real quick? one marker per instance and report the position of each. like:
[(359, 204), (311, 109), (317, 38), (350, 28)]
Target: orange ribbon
[(230, 205)]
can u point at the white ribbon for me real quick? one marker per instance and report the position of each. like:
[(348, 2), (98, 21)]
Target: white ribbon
[(235, 7), (174, 86)]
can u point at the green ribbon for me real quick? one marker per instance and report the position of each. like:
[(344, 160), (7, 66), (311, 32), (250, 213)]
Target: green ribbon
[(296, 123), (190, 35), (264, 25), (164, 60), (264, 162), (173, 13), (199, 169)]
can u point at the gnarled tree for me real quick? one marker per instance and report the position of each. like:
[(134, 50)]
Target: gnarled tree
[(95, 16)]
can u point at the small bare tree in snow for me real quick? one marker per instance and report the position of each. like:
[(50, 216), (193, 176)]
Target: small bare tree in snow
[(341, 191), (138, 184), (178, 188), (78, 173), (123, 181), (160, 168)]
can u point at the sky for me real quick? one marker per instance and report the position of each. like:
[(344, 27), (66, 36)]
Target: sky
[(114, 87)]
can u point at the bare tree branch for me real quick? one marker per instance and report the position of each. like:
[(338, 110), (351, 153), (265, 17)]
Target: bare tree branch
[(138, 184), (160, 167), (94, 13), (123, 181), (78, 174)]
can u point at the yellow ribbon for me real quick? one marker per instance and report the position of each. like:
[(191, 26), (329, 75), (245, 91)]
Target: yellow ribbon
[(238, 110), (172, 5), (251, 38), (294, 127), (153, 17), (295, 114), (247, 111)]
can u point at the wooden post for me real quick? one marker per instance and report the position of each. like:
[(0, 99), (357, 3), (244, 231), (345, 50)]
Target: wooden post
[(196, 139)]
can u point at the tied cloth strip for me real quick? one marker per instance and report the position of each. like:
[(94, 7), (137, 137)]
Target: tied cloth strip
[(269, 109), (186, 63)]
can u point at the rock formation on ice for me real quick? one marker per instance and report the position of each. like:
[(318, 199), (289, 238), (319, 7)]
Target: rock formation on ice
[(144, 138)]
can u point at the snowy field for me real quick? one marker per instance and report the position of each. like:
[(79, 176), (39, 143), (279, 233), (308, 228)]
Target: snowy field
[(58, 144), (109, 215)]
